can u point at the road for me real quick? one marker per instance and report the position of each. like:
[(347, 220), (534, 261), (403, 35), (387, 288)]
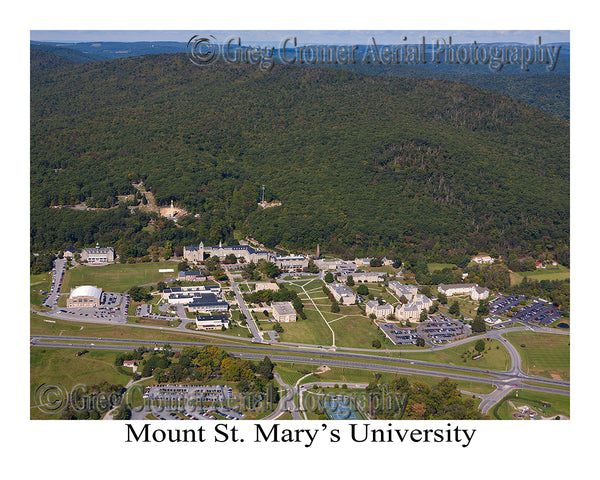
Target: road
[(249, 318), (504, 381)]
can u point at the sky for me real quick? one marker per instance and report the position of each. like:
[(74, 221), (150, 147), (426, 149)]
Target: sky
[(304, 36)]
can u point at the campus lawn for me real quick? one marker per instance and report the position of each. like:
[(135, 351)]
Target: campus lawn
[(493, 358), (543, 354), (313, 330), (355, 331), (545, 404), (153, 321), (468, 307), (37, 283), (117, 277), (60, 366)]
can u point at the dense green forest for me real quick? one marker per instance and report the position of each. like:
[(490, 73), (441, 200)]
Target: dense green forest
[(362, 164), (549, 92)]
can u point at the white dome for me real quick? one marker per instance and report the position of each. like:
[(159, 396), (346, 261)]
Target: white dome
[(86, 291)]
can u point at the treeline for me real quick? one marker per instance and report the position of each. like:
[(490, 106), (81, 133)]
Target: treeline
[(418, 401), (202, 364)]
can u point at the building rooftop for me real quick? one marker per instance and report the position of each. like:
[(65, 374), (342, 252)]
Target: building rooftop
[(86, 291), (283, 308)]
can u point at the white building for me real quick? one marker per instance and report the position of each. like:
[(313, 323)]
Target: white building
[(380, 311), (475, 291), (482, 259), (342, 294), (406, 291), (291, 263), (84, 296), (368, 276), (212, 322), (98, 254), (283, 312), (248, 253), (412, 310)]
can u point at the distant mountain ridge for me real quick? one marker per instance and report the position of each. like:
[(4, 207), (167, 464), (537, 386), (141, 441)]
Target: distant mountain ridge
[(549, 91)]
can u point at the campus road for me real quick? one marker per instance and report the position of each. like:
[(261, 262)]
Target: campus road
[(286, 402), (249, 318)]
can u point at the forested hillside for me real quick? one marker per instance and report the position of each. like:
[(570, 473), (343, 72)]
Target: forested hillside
[(362, 164)]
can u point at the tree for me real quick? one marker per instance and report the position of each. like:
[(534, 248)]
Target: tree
[(396, 261), (362, 290), (277, 327), (335, 307), (230, 259), (478, 324), (454, 308), (329, 277), (423, 315), (265, 368), (376, 343), (443, 298), (138, 294), (484, 307), (161, 286), (350, 281), (375, 262), (480, 345), (269, 269), (420, 342), (312, 268)]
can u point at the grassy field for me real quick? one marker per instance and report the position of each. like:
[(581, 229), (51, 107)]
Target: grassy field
[(312, 330), (53, 366), (468, 307), (154, 321), (543, 354), (116, 277), (37, 284), (549, 273), (439, 266), (356, 375), (493, 359), (545, 404), (81, 329), (355, 331)]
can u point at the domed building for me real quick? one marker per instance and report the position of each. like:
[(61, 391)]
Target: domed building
[(84, 296)]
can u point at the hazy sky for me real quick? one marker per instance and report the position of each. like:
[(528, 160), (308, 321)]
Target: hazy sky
[(303, 36)]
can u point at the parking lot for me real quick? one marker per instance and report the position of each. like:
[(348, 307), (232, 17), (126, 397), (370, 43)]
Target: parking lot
[(144, 310), (194, 402), (398, 335), (540, 312), (58, 273), (504, 303), (443, 330)]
